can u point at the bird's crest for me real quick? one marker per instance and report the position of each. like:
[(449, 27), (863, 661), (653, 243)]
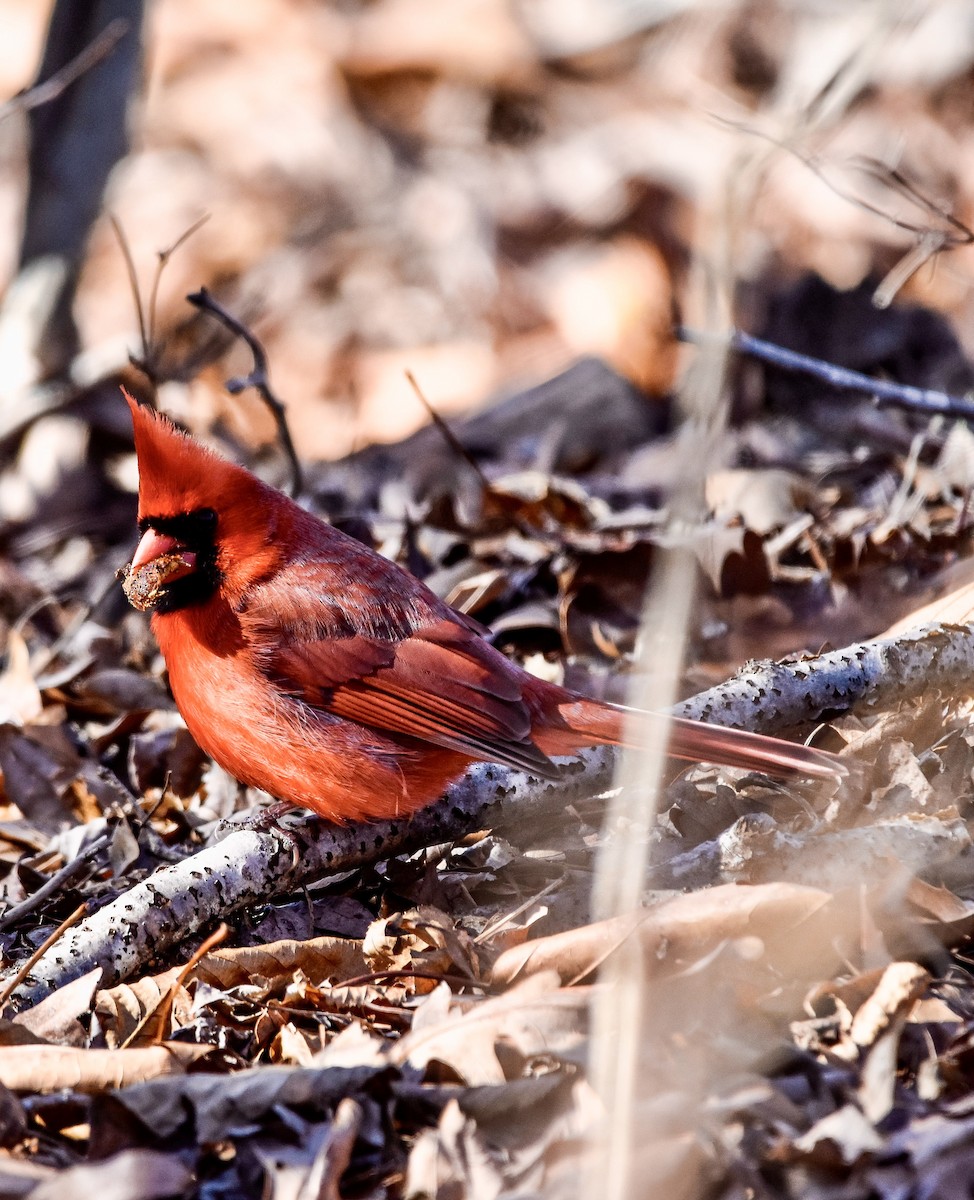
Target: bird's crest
[(176, 473)]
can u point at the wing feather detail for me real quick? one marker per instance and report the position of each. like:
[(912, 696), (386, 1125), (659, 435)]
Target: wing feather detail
[(431, 676)]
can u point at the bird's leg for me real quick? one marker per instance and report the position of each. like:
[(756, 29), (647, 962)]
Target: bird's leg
[(269, 818), (265, 820)]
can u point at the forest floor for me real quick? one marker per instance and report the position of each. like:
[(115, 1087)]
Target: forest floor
[(544, 214)]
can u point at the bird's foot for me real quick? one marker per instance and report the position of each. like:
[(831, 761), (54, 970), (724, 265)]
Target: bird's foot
[(264, 820)]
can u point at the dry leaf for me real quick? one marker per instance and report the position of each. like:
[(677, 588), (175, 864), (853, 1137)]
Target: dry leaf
[(536, 1017), (762, 500), (843, 1137), (50, 1068), (132, 1175), (20, 697), (123, 1009), (322, 959), (58, 1017), (683, 929), (422, 940)]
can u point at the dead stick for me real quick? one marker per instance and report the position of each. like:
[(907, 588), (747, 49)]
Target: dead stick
[(150, 1028), (253, 865), (90, 56), (39, 953), (883, 391), (56, 883), (259, 379)]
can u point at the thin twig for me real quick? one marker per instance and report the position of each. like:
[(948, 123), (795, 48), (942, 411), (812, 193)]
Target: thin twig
[(158, 1016), (498, 923), (39, 953), (885, 393), (85, 60), (146, 314), (136, 291), (257, 379), (57, 881), (164, 257), (894, 179), (929, 242), (405, 973), (449, 436), (882, 173), (524, 527), (927, 247)]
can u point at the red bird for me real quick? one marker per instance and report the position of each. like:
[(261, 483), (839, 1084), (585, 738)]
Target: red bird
[(310, 666)]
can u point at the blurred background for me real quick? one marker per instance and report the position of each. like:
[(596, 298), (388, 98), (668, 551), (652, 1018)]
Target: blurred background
[(478, 190), (484, 193)]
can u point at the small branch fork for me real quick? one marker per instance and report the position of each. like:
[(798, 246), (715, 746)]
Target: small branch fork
[(259, 378), (884, 392), (146, 313)]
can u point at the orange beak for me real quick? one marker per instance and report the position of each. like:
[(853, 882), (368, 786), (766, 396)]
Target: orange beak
[(154, 545)]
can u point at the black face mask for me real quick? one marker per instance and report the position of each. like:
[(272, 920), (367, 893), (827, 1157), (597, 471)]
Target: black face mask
[(148, 587)]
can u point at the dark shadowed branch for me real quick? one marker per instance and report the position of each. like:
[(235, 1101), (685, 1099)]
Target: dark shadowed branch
[(51, 88), (883, 391), (258, 379)]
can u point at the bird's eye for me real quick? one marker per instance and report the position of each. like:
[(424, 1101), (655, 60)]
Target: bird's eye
[(206, 519)]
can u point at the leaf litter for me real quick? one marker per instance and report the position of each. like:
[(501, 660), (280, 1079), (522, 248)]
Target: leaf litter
[(418, 1025)]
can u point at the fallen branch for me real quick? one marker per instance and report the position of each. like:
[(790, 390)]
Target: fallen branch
[(11, 986), (769, 697), (884, 392), (252, 865)]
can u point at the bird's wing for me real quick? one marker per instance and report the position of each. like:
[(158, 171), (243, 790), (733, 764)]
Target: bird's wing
[(405, 664)]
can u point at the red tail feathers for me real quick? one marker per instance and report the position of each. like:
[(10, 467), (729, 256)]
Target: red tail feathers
[(590, 722)]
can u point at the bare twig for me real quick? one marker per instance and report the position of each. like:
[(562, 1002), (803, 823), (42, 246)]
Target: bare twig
[(135, 289), (39, 953), (463, 453), (147, 314), (151, 1028), (449, 436), (504, 919), (257, 379), (58, 880), (404, 973), (929, 241), (164, 257), (954, 233), (884, 392), (50, 89)]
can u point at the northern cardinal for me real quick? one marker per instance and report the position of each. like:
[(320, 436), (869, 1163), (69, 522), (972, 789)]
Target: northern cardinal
[(310, 666)]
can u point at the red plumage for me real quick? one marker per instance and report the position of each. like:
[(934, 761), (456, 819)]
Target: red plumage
[(310, 666)]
